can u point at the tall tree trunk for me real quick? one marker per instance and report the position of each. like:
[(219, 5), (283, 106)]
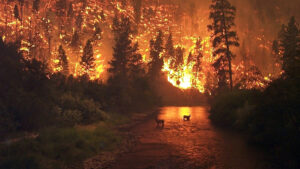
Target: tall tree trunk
[(49, 46), (6, 22), (227, 46), (16, 31)]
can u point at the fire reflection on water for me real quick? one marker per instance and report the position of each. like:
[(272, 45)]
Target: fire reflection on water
[(200, 145)]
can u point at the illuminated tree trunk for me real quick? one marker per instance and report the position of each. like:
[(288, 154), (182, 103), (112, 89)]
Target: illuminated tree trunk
[(227, 47), (223, 14), (49, 46)]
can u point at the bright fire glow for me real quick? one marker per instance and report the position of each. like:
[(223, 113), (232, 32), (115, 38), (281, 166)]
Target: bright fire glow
[(43, 32)]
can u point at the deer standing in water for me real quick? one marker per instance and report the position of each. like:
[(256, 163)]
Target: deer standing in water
[(186, 117), (159, 122)]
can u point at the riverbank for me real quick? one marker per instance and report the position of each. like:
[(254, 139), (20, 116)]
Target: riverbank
[(269, 118), (82, 146)]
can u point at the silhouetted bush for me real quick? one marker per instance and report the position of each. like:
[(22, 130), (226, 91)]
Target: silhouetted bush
[(233, 108), (276, 122), (271, 118)]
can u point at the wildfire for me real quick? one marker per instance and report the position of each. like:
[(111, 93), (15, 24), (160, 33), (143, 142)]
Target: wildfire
[(43, 32)]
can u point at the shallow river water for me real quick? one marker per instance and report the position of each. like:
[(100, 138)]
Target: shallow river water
[(193, 144)]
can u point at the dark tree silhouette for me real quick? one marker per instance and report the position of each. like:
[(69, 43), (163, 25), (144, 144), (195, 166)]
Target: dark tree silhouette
[(61, 6), (17, 16), (198, 59), (137, 5), (136, 64), (35, 6), (223, 15), (169, 47), (16, 12), (122, 49), (127, 82), (97, 33), (156, 63), (70, 11), (79, 21), (190, 58), (276, 56), (177, 63), (87, 59), (126, 62), (75, 42), (63, 61), (48, 28), (290, 45), (21, 3)]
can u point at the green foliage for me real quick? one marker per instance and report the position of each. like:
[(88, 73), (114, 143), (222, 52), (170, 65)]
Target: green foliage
[(29, 100), (58, 148), (26, 93), (72, 117)]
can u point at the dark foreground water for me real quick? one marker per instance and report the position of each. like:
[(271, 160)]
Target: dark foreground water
[(194, 144)]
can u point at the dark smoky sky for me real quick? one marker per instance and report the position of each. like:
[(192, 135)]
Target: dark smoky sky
[(257, 23)]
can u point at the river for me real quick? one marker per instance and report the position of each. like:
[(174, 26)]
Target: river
[(193, 144)]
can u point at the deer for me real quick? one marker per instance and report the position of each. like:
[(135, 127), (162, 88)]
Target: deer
[(186, 117), (159, 122)]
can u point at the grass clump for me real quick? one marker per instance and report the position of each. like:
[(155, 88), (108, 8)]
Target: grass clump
[(58, 148)]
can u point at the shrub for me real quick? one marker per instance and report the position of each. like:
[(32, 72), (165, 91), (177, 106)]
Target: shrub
[(232, 108), (72, 117), (58, 148), (77, 110)]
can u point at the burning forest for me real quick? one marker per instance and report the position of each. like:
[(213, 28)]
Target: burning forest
[(47, 30), (83, 82)]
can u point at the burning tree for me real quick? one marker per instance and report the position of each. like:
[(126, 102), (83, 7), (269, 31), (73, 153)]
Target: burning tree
[(198, 56), (87, 59), (177, 63), (250, 77), (223, 14), (169, 47)]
